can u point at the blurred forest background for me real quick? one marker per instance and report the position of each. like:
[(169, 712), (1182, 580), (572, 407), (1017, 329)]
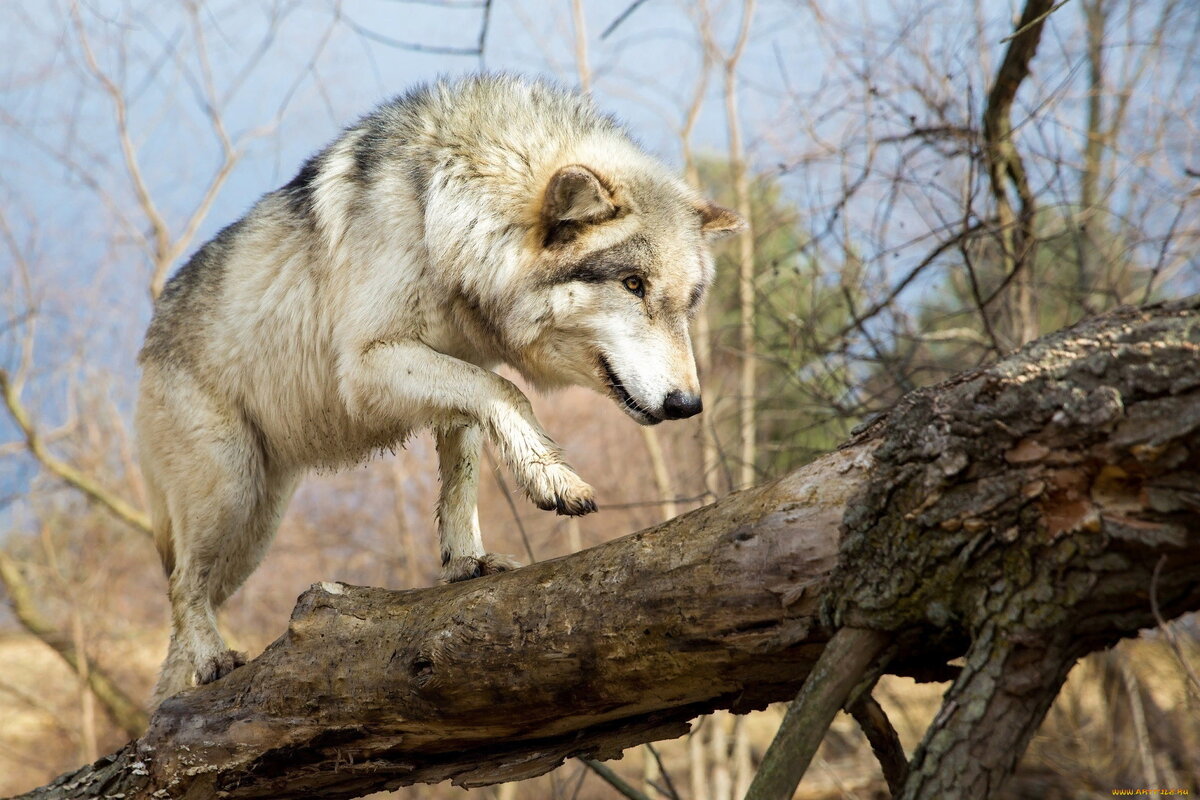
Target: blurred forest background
[(900, 233)]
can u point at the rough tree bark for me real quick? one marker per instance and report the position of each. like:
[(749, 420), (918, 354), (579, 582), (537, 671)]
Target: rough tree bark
[(1014, 514)]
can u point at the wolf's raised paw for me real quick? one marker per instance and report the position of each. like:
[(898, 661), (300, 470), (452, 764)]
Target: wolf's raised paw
[(218, 666), (464, 568), (565, 493)]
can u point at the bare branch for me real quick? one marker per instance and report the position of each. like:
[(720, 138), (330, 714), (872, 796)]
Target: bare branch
[(125, 712), (840, 668), (484, 24), (160, 232), (121, 509), (613, 779), (1005, 165), (1036, 21), (624, 15), (415, 47), (884, 741), (1169, 632)]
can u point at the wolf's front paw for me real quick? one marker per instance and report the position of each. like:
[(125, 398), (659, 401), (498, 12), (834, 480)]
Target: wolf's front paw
[(561, 490), (218, 666), (464, 568)]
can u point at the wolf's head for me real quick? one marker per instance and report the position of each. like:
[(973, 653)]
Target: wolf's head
[(623, 264)]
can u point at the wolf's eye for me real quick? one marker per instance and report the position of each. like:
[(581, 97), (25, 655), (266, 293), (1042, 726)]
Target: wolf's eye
[(634, 284)]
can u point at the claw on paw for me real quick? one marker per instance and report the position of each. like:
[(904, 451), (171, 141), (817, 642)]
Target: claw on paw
[(218, 666), (559, 489), (574, 507)]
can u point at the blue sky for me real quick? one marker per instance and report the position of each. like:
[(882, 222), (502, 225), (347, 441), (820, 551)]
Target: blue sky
[(323, 74)]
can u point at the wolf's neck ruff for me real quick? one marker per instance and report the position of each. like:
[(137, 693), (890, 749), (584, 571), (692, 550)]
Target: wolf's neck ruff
[(463, 225)]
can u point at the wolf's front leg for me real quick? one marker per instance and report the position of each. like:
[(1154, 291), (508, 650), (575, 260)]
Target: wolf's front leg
[(409, 384), (459, 448)]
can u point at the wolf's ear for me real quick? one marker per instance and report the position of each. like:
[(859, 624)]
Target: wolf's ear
[(575, 194), (717, 222)]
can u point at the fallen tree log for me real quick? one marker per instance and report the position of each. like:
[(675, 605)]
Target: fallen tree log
[(1014, 514)]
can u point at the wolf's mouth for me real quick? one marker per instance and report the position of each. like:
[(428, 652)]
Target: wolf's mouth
[(624, 399)]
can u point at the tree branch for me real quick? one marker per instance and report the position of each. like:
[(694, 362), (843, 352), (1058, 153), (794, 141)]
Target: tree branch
[(121, 509), (827, 688), (119, 706), (884, 741), (1005, 166)]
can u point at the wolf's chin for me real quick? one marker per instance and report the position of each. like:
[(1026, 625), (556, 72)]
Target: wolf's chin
[(617, 391), (643, 419)]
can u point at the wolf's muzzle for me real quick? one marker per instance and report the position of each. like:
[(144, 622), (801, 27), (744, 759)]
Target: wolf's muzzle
[(678, 405)]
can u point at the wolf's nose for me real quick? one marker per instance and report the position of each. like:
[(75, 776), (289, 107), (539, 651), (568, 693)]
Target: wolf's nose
[(678, 405)]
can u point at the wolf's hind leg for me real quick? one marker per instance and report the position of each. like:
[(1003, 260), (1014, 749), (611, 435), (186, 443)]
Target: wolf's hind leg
[(202, 528), (197, 650), (215, 506), (245, 547), (459, 448), (229, 540)]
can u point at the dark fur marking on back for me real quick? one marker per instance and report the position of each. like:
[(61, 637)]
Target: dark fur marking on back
[(369, 154), (419, 177), (301, 190), (185, 300)]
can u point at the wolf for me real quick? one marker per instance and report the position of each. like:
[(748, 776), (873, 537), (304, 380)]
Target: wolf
[(467, 224)]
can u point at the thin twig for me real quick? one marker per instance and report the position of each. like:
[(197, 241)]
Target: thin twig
[(443, 3), (912, 275), (1169, 632), (1141, 733), (624, 15), (1034, 21), (614, 780), (671, 791), (120, 508), (1162, 254), (483, 30), (158, 225), (383, 39)]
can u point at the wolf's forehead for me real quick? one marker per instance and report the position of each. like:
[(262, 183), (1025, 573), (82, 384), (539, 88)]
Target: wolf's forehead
[(663, 202), (658, 254)]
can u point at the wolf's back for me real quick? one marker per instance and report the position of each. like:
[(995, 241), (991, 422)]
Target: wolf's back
[(488, 142)]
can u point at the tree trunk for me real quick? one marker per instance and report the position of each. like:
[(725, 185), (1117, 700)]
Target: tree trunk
[(1089, 232), (1014, 228), (1015, 514)]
